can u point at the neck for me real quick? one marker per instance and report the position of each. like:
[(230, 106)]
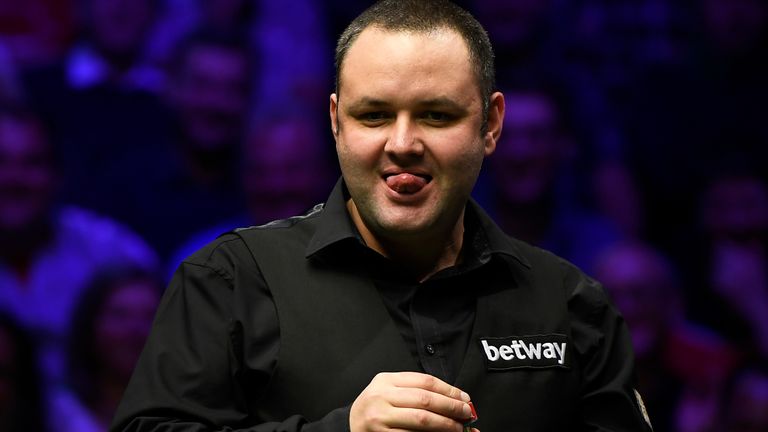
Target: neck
[(422, 254)]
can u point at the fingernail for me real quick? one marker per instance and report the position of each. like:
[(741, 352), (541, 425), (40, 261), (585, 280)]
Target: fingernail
[(466, 411), (465, 397)]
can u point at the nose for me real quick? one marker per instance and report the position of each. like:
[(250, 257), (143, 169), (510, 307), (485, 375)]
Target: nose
[(404, 141)]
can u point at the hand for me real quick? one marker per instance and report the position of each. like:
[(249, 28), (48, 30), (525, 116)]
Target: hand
[(409, 401)]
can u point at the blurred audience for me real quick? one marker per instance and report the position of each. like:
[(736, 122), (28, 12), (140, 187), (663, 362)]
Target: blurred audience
[(286, 170), (194, 181), (733, 260), (177, 19), (37, 31), (535, 191), (101, 99), (682, 121), (643, 286), (287, 167), (21, 401), (522, 32), (9, 81), (111, 323), (183, 119), (298, 73), (746, 401), (48, 252)]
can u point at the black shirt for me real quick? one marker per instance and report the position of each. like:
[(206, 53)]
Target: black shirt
[(208, 328)]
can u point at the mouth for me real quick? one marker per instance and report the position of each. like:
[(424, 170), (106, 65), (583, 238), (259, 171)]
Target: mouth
[(407, 183)]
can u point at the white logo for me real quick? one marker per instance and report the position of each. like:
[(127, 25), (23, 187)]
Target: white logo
[(525, 351)]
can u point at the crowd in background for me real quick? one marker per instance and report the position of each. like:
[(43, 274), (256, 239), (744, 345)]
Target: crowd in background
[(132, 132)]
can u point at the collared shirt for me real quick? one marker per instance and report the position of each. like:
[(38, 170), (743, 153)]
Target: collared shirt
[(184, 380)]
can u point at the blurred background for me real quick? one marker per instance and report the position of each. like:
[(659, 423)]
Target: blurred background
[(132, 132)]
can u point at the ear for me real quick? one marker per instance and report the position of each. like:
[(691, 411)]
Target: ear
[(495, 122), (334, 111)]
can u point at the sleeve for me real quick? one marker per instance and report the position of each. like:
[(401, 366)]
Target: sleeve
[(191, 375), (609, 400)]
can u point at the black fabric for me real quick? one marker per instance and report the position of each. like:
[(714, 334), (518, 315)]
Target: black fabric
[(278, 328)]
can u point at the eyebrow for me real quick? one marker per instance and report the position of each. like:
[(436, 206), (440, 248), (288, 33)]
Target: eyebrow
[(439, 102), (444, 103), (366, 102)]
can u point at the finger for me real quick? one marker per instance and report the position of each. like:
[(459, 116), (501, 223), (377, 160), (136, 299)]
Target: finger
[(413, 419), (428, 382), (434, 402)]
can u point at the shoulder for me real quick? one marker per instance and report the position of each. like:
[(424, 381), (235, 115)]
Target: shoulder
[(586, 296), (225, 255), (287, 234), (101, 237), (237, 250)]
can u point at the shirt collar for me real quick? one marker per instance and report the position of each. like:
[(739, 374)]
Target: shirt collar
[(335, 226), (334, 223)]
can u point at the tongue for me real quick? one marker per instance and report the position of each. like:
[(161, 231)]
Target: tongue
[(406, 183)]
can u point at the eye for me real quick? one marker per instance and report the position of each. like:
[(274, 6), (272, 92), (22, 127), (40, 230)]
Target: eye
[(373, 117), (437, 116)]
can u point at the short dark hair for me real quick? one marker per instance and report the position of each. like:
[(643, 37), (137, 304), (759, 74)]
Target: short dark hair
[(424, 16)]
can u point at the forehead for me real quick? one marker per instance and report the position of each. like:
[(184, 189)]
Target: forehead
[(216, 59), (21, 137), (414, 59)]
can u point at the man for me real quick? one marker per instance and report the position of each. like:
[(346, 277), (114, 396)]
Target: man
[(398, 301), (530, 197), (49, 251)]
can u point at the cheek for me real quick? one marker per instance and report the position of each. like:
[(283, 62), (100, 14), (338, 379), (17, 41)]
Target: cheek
[(465, 158), (357, 150), (109, 333)]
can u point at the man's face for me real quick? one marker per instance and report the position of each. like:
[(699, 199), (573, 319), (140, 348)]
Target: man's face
[(121, 26), (26, 174), (524, 168), (642, 289), (407, 123), (284, 173), (123, 325), (211, 95), (749, 405)]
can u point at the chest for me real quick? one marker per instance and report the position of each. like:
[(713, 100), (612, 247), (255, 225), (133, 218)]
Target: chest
[(337, 333)]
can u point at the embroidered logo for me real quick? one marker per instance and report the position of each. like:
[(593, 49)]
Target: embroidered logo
[(536, 351), (642, 408)]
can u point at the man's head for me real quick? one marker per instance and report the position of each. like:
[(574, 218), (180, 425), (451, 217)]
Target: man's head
[(410, 122), (27, 172), (746, 401), (534, 144), (285, 166), (736, 207), (209, 89), (425, 16), (642, 284), (119, 28)]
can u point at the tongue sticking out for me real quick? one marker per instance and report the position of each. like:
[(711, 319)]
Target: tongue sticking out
[(406, 183)]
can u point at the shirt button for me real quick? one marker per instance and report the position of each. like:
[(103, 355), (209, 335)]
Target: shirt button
[(430, 349)]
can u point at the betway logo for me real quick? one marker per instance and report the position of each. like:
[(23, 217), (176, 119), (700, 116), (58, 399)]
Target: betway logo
[(538, 351)]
